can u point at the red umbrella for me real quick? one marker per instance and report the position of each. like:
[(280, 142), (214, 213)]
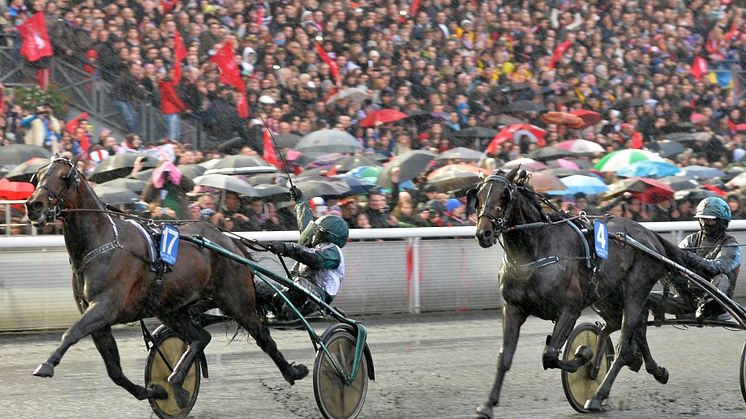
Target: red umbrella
[(15, 190), (563, 118), (515, 131), (648, 191), (383, 116), (588, 116)]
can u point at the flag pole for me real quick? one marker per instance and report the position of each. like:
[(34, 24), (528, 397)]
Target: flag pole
[(284, 164)]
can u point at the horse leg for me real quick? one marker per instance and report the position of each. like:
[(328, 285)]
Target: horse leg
[(107, 347), (562, 329), (513, 319), (600, 350), (634, 304), (659, 373), (97, 316)]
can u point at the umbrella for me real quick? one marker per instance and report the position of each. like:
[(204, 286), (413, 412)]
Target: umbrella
[(357, 185), (701, 172), (694, 195), (228, 183), (563, 118), (514, 132), (544, 182), (114, 195), (144, 175), (15, 190), (19, 153), (564, 172), (369, 173), (737, 182), (686, 137), (352, 94), (581, 147), (329, 141), (287, 140), (191, 170), (411, 163), (678, 183), (474, 132), (422, 116), (456, 176), (644, 189), (325, 160), (514, 87), (460, 153), (347, 163), (649, 168), (588, 116), (502, 119), (26, 170), (548, 153), (323, 186), (524, 106), (272, 193), (566, 163), (669, 148), (589, 185), (382, 116), (628, 103), (524, 163), (621, 158), (133, 185), (239, 161), (119, 165)]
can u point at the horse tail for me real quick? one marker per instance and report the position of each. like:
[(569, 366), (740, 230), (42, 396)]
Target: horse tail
[(670, 250)]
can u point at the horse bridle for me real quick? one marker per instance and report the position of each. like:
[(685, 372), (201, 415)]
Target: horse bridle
[(54, 211), (498, 223)]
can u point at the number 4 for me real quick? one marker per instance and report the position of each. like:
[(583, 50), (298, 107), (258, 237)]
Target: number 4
[(601, 236)]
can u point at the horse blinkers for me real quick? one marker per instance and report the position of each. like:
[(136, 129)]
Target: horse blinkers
[(491, 218), (40, 210)]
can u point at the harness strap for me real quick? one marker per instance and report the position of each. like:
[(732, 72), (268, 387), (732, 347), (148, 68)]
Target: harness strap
[(104, 248)]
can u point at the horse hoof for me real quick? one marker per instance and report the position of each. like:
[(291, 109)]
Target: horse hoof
[(295, 372), (593, 405), (483, 412), (661, 375), (181, 396), (44, 370), (156, 391), (583, 354)]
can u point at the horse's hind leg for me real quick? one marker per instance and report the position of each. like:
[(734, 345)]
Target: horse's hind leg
[(107, 347), (562, 329), (97, 316), (659, 373)]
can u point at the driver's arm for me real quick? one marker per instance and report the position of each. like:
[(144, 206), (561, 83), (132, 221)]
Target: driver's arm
[(727, 260), (320, 257)]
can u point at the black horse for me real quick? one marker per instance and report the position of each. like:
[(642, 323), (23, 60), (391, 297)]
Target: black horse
[(113, 282), (549, 272)]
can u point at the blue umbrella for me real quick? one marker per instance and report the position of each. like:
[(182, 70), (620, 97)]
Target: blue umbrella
[(648, 168), (589, 185), (701, 172), (358, 185)]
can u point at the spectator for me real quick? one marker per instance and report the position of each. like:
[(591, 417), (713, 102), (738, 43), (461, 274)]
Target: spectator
[(166, 191), (44, 129), (128, 92)]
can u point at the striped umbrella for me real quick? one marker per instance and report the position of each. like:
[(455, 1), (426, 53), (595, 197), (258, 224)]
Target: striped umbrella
[(649, 168), (589, 185), (581, 147), (619, 159)]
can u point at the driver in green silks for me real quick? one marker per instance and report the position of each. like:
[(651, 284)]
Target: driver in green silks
[(319, 267)]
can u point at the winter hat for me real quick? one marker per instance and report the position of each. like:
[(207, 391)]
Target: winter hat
[(453, 203)]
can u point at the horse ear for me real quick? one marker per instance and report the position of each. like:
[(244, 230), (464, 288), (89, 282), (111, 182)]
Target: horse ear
[(522, 177), (511, 175), (472, 202)]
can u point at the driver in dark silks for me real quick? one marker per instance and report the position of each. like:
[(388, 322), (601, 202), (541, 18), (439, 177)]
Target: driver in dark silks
[(319, 267), (710, 253)]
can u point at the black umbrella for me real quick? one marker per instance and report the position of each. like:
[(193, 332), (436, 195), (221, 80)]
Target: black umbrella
[(287, 140), (19, 153), (679, 183), (116, 195), (411, 164), (267, 179), (26, 170), (549, 153), (475, 132), (135, 185), (685, 137), (144, 174), (347, 163), (514, 87), (357, 185), (119, 165), (564, 172), (323, 187), (524, 106), (329, 141), (502, 119), (628, 103), (237, 161), (272, 193), (668, 148), (192, 170), (460, 153), (694, 195), (228, 183)]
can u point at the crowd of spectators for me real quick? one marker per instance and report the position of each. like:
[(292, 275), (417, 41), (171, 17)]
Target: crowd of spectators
[(647, 67)]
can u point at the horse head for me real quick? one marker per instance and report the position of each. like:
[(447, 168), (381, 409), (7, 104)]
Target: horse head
[(495, 198), (55, 189)]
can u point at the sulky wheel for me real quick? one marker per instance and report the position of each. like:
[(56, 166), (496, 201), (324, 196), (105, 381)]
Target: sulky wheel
[(337, 400), (157, 372), (743, 372), (580, 385)]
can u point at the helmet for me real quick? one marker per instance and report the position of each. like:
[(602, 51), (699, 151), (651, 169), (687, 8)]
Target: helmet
[(329, 228), (713, 207)]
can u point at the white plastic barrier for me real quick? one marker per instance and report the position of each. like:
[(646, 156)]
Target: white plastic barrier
[(390, 271)]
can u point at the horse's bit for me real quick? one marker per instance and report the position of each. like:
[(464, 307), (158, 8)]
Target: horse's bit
[(498, 223), (54, 211)]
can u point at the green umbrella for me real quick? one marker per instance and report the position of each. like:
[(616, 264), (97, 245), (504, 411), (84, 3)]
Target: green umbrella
[(623, 158)]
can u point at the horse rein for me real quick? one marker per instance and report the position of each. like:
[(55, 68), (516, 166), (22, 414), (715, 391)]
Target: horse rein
[(54, 211)]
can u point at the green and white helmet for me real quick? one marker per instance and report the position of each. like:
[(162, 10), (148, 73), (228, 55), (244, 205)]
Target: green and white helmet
[(328, 228), (713, 207)]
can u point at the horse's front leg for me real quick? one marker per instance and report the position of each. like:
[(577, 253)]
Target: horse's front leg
[(513, 319), (107, 347), (97, 316), (562, 329)]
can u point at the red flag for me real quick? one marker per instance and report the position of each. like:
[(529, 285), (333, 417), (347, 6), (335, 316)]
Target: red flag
[(170, 101), (73, 124), (2, 101), (325, 57), (225, 58), (35, 40), (332, 171), (242, 105), (699, 68), (558, 52), (168, 5), (636, 140), (269, 153), (180, 53), (414, 7), (260, 16)]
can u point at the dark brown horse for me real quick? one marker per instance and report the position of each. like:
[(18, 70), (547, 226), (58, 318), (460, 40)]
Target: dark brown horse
[(113, 283), (548, 272)]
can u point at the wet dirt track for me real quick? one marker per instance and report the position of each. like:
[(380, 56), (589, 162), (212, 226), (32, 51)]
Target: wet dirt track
[(429, 366)]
